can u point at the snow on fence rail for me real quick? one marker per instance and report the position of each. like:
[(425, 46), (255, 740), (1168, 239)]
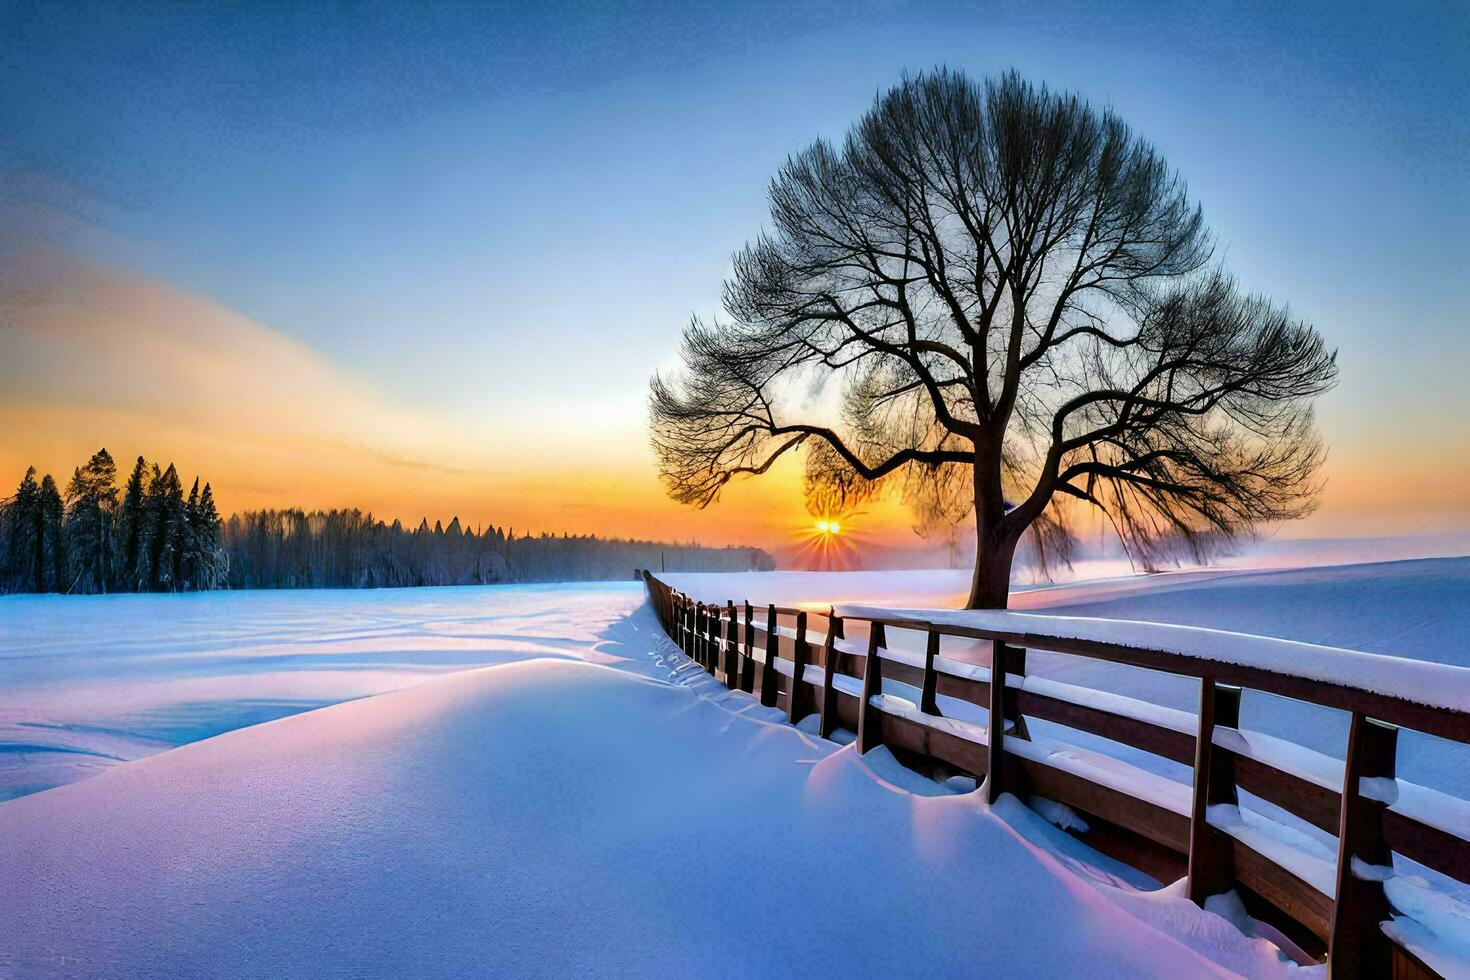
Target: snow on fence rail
[(806, 664)]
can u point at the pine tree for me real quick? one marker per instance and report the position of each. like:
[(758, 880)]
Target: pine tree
[(22, 521), (213, 561), (131, 523), (91, 505), (190, 557), (51, 541), (165, 509)]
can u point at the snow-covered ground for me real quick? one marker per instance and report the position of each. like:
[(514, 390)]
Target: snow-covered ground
[(593, 803), (553, 818), (87, 682)]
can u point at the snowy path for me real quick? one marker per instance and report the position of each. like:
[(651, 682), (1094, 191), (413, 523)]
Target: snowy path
[(563, 818)]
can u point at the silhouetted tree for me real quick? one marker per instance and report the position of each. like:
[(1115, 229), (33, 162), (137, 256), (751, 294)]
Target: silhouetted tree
[(21, 518), (91, 505), (50, 542), (131, 527), (1013, 296), (208, 563), (168, 526)]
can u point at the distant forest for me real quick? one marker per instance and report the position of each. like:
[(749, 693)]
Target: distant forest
[(152, 537)]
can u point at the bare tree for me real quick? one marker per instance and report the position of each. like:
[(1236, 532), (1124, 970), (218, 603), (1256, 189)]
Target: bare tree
[(1015, 301)]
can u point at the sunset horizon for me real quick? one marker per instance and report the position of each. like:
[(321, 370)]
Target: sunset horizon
[(336, 367), (683, 489)]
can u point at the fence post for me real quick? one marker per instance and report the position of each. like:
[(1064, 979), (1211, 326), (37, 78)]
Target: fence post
[(747, 662), (1357, 946), (698, 639), (1211, 851), (829, 693), (870, 719), (928, 702), (768, 669), (711, 637), (995, 752), (1016, 665), (797, 700), (732, 646)]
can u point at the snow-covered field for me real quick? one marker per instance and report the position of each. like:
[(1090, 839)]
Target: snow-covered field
[(626, 816), (87, 682), (589, 801)]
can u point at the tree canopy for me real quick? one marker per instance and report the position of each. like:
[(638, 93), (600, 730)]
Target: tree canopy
[(994, 299)]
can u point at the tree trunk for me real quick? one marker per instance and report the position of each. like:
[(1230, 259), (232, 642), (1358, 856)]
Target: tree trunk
[(995, 540), (990, 587)]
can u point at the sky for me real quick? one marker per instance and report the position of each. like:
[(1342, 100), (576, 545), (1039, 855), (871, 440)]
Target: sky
[(423, 259)]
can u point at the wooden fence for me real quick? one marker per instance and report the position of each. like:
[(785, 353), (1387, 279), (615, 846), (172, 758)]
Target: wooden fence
[(805, 663)]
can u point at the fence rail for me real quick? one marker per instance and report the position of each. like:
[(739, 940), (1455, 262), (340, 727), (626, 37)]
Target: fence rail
[(808, 663)]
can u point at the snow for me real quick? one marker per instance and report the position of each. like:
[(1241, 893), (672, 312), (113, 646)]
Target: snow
[(903, 708), (1303, 856), (1104, 770), (410, 814), (556, 816), (89, 682), (1154, 714), (1058, 814), (1416, 612)]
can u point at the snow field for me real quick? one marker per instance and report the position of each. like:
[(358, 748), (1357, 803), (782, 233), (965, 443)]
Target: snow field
[(552, 817)]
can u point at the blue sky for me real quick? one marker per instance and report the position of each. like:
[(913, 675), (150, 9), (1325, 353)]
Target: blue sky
[(473, 208)]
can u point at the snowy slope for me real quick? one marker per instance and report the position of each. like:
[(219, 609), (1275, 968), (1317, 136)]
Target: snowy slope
[(87, 682), (558, 818)]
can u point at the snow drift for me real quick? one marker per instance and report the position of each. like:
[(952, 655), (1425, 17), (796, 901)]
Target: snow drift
[(559, 818)]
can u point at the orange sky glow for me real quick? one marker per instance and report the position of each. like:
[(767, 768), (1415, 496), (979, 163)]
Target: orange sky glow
[(93, 356)]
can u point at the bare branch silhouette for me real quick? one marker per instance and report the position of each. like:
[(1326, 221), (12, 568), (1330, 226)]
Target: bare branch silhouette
[(1014, 301)]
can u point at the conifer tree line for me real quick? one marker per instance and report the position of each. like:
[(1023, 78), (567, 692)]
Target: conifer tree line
[(90, 538), (149, 536), (284, 549)]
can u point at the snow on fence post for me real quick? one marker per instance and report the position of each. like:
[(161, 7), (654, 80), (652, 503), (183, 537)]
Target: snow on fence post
[(732, 646), (747, 661), (798, 699), (768, 669), (870, 719), (1211, 852), (1357, 946), (928, 702), (829, 693)]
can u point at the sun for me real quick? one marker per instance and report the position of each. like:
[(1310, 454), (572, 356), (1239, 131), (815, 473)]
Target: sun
[(829, 543)]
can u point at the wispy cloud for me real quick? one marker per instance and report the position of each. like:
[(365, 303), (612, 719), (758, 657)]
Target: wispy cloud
[(92, 355)]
